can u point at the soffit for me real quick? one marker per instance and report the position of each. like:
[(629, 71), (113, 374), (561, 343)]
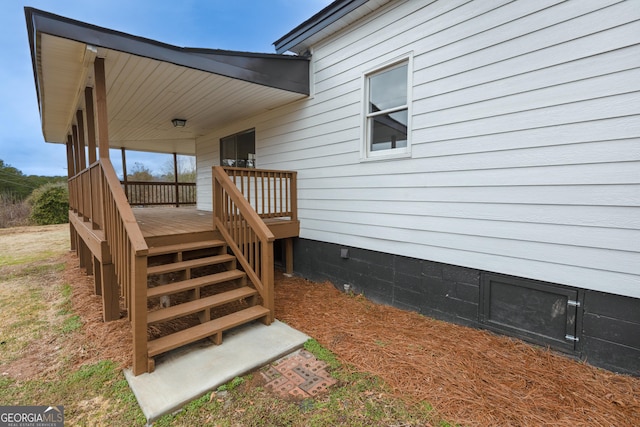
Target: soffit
[(208, 88), (144, 95)]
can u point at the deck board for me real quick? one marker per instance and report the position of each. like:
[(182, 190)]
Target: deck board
[(169, 221), (166, 221)]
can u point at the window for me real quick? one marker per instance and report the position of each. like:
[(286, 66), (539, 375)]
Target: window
[(386, 118), (239, 150)]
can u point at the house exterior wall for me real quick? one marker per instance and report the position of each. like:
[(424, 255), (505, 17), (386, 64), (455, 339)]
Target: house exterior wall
[(525, 141), (525, 145)]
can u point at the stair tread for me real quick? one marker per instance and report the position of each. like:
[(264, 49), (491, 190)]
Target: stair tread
[(192, 263), (198, 282), (195, 306), (182, 247), (204, 330)]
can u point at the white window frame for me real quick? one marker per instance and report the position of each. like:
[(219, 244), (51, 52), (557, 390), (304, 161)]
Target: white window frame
[(366, 154)]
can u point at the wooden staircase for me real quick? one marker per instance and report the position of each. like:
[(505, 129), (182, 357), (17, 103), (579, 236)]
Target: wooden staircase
[(205, 292)]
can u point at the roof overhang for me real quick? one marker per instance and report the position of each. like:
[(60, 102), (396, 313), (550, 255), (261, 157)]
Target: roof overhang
[(149, 83), (331, 19)]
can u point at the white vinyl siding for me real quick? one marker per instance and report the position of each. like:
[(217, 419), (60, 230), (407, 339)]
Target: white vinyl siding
[(525, 140)]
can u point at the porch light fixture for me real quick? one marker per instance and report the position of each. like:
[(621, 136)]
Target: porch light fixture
[(179, 123)]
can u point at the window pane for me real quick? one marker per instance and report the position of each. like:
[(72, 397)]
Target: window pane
[(389, 131), (228, 151), (238, 150), (388, 89), (246, 149)]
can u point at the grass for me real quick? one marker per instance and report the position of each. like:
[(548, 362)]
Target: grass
[(21, 303), (359, 399), (38, 320), (37, 353), (27, 247), (234, 383), (70, 324), (96, 394)]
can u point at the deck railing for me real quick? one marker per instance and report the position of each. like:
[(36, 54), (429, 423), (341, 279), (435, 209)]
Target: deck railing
[(96, 195), (152, 193), (247, 235), (271, 193)]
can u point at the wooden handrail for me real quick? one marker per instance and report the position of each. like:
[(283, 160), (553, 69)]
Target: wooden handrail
[(128, 219), (154, 193), (247, 235), (95, 194), (271, 193), (129, 254)]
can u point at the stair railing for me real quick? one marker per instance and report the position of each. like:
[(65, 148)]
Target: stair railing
[(246, 234), (129, 256), (95, 195)]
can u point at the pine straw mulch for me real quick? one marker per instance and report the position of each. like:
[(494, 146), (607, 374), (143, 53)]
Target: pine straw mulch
[(470, 377), (98, 340)]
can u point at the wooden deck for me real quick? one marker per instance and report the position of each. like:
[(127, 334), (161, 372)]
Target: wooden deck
[(124, 247), (167, 221), (157, 222)]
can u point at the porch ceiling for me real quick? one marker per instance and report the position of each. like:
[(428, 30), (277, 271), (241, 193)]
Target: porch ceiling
[(149, 84)]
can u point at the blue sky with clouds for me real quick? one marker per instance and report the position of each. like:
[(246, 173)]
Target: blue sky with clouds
[(245, 25)]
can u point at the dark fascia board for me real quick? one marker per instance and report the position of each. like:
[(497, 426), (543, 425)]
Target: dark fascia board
[(316, 23), (286, 72)]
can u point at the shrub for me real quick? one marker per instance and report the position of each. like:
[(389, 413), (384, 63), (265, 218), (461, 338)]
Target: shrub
[(50, 204), (13, 212)]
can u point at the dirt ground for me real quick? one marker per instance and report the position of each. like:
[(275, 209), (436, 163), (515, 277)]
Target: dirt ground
[(470, 377), (16, 243)]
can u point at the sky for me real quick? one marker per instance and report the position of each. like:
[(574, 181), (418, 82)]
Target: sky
[(244, 25)]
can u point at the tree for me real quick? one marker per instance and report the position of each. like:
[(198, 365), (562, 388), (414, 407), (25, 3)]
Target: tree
[(50, 204), (14, 185), (186, 169), (140, 172)]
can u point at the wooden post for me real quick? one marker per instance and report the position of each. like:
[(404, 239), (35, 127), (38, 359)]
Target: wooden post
[(175, 178), (91, 124), (293, 188), (88, 259), (82, 160), (79, 168), (138, 312), (82, 253), (95, 197), (267, 278), (217, 198), (70, 166), (110, 293), (288, 255), (78, 243), (76, 157), (70, 173), (89, 262), (97, 275), (72, 233), (124, 173), (81, 142), (101, 107)]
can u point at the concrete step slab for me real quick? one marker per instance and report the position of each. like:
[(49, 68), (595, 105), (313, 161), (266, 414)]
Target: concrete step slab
[(189, 372)]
